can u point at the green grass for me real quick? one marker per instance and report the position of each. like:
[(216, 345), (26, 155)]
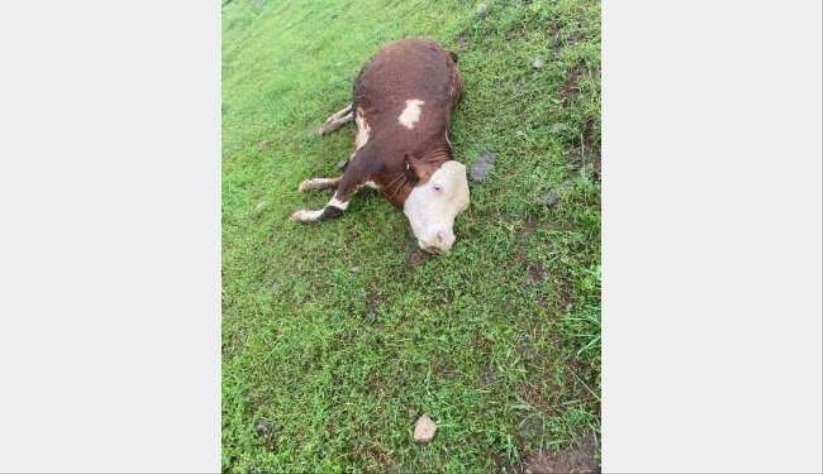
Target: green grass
[(338, 336)]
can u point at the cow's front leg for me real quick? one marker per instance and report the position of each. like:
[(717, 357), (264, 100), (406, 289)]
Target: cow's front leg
[(347, 185), (318, 183), (333, 209)]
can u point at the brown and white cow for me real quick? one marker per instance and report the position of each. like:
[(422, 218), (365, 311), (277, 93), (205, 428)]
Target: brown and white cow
[(402, 104)]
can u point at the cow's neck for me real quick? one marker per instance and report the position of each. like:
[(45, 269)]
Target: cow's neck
[(399, 185)]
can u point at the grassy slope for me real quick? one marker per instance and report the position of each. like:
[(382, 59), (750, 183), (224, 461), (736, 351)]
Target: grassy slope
[(336, 337)]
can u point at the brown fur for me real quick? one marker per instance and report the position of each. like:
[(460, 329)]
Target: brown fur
[(395, 157)]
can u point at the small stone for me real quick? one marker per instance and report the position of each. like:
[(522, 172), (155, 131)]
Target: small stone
[(538, 63), (342, 164), (355, 269), (482, 166), (424, 430), (482, 9)]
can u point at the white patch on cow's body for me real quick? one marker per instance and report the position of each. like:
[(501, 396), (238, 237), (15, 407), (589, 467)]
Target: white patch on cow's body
[(363, 130), (411, 114), (432, 207)]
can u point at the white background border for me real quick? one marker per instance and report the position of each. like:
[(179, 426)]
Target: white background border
[(110, 242), (712, 256)]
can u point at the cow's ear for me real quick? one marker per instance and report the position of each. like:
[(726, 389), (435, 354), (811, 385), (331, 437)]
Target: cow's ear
[(417, 169)]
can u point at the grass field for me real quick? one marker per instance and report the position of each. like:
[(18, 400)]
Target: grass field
[(338, 336)]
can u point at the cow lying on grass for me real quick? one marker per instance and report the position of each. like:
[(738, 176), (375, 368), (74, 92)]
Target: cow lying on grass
[(402, 104)]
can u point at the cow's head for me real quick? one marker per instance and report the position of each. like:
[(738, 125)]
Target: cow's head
[(440, 194)]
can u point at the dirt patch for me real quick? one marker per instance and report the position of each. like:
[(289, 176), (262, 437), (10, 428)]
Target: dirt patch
[(371, 314), (584, 150), (266, 433), (522, 239), (502, 463), (490, 375), (537, 274), (530, 429), (374, 452), (580, 459), (533, 396), (574, 38), (415, 257), (234, 342), (571, 86), (563, 292)]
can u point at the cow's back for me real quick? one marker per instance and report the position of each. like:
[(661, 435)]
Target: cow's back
[(408, 69)]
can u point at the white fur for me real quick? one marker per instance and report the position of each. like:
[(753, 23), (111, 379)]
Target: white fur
[(305, 215), (411, 114), (338, 203), (363, 130), (431, 213), (317, 183)]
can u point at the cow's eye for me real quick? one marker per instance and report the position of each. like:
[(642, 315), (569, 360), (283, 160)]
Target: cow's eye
[(438, 188)]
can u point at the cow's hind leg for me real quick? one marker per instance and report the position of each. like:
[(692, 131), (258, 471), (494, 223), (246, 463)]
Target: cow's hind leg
[(318, 183), (337, 120)]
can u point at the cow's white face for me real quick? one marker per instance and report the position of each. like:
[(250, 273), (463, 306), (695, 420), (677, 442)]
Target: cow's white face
[(431, 207)]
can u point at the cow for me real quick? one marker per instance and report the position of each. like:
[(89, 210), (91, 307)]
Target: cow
[(402, 103)]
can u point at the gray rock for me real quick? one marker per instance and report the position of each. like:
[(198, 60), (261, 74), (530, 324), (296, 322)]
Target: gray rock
[(482, 166), (342, 164), (424, 430), (538, 63)]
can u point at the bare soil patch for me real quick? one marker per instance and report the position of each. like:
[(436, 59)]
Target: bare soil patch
[(580, 459)]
